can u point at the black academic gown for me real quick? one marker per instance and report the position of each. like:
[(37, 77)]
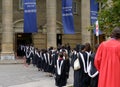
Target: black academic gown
[(50, 63), (93, 72), (34, 58), (55, 57), (42, 60), (38, 60), (28, 60), (86, 77), (78, 74), (67, 62), (61, 79), (45, 66)]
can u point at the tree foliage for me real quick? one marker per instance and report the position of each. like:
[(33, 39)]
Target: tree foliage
[(109, 16)]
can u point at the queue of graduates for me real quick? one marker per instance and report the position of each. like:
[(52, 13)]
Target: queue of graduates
[(86, 75), (57, 63)]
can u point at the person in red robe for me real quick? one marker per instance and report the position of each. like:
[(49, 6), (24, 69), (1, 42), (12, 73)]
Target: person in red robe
[(107, 61)]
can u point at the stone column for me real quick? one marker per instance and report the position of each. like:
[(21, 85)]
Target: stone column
[(7, 30), (51, 23), (85, 21)]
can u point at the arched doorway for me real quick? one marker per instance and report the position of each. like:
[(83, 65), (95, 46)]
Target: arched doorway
[(21, 38)]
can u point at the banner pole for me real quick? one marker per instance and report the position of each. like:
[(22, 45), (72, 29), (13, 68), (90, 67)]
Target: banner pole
[(98, 41)]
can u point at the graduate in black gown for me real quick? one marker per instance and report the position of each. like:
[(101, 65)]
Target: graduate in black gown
[(55, 57), (79, 73), (60, 71), (38, 60), (35, 56), (45, 60), (42, 61), (67, 62), (92, 71), (81, 78), (85, 62), (28, 56), (50, 63)]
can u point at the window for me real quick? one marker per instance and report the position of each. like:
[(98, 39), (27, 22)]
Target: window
[(21, 4), (74, 7)]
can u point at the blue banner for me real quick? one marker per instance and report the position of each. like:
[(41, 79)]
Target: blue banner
[(30, 21), (67, 17), (94, 7)]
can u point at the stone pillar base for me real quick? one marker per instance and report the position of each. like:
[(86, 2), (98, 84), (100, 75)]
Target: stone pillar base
[(7, 56)]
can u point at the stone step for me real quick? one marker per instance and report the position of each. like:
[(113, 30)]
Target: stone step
[(8, 61)]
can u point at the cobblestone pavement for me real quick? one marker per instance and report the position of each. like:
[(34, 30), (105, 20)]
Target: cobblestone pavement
[(18, 75)]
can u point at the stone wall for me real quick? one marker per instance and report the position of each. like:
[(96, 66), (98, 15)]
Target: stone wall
[(71, 39), (39, 40)]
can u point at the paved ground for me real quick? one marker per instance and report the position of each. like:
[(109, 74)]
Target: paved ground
[(17, 75)]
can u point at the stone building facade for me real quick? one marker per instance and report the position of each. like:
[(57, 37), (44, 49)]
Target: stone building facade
[(49, 24)]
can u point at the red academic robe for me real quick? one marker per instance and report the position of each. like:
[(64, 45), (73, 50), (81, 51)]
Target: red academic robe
[(107, 62)]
